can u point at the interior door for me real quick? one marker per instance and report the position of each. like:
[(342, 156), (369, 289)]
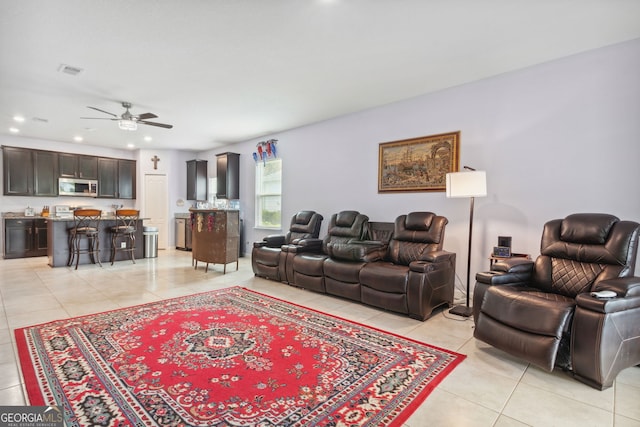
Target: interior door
[(156, 207)]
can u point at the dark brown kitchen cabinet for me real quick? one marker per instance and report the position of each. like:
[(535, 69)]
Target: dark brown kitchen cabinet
[(116, 178), (25, 238), (78, 166), (18, 171), (30, 172), (126, 179), (228, 174), (197, 180), (45, 173)]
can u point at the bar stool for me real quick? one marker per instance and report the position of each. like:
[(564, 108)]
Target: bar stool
[(126, 227), (86, 224)]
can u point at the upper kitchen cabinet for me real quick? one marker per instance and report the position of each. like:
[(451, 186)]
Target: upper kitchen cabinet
[(126, 179), (45, 173), (30, 172), (228, 174), (78, 166), (197, 180), (18, 171), (116, 178)]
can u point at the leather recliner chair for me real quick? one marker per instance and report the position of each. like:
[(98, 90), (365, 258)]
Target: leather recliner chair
[(267, 258), (342, 267), (308, 257), (547, 313), (416, 275)]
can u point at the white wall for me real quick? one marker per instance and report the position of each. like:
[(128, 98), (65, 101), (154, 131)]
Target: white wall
[(555, 139)]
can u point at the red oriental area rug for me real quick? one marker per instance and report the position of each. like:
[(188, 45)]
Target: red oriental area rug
[(231, 357)]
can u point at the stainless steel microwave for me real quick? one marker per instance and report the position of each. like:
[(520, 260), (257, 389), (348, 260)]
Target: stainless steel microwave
[(77, 187)]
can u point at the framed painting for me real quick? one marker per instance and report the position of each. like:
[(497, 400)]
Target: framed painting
[(418, 164)]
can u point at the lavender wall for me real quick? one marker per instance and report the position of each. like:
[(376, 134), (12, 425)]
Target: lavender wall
[(555, 139), (558, 138)]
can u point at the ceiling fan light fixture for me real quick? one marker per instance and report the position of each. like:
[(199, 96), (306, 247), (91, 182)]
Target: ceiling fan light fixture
[(127, 125)]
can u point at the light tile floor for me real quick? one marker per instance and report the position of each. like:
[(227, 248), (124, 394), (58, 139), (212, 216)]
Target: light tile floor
[(489, 388)]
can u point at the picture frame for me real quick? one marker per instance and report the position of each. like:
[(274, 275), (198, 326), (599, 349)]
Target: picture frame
[(504, 241), (418, 164), (502, 251)]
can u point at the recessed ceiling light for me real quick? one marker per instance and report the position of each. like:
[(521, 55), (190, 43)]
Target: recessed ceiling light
[(148, 138), (18, 119), (14, 130), (78, 139), (131, 146)]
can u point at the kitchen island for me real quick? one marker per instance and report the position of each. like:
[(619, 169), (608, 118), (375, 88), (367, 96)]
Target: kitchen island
[(215, 236), (58, 241)]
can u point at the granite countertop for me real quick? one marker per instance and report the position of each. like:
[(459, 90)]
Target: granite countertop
[(212, 210), (21, 215)]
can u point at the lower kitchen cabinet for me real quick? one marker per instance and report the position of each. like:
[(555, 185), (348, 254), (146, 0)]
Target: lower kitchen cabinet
[(25, 238)]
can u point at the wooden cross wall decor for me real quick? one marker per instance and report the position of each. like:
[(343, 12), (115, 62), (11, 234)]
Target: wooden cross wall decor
[(155, 160)]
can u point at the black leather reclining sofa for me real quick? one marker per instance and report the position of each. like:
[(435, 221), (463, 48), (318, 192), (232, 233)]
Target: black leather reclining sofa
[(400, 266)]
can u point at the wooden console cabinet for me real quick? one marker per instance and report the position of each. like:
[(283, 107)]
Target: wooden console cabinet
[(215, 236)]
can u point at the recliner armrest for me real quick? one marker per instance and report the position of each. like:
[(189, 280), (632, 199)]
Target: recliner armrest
[(431, 261), (623, 286), (274, 241), (437, 256), (628, 296), (509, 271), (305, 245), (513, 265)]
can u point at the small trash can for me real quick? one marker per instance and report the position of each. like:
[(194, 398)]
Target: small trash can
[(150, 242)]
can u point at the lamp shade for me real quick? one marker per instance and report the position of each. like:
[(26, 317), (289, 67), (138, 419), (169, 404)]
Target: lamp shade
[(467, 184)]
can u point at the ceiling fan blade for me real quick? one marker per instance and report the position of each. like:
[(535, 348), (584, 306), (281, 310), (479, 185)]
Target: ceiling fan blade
[(161, 125), (102, 111), (99, 118), (146, 116)]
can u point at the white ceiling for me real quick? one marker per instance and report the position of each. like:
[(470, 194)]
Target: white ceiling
[(223, 71)]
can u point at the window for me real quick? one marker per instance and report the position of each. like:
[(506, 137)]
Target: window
[(269, 194)]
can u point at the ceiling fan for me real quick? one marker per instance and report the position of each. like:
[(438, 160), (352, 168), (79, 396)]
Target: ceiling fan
[(128, 121)]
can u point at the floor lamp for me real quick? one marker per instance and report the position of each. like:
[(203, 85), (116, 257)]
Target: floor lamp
[(469, 183)]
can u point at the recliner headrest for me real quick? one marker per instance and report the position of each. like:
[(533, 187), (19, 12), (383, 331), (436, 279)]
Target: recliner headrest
[(419, 221), (346, 218), (303, 217), (589, 228)]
